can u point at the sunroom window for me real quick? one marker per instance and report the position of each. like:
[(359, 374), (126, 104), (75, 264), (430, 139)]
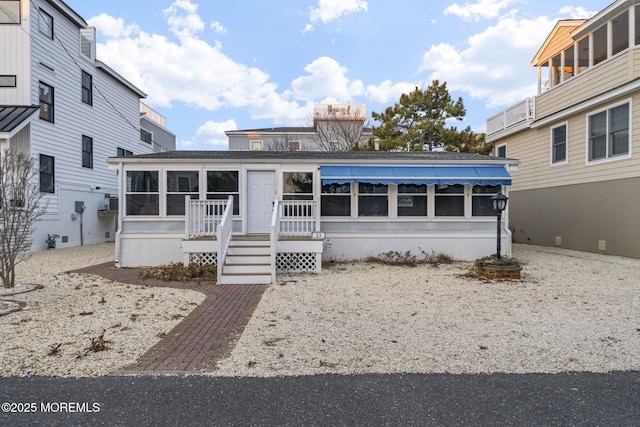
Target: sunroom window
[(412, 200), (450, 200), (481, 203), (335, 200), (142, 193), (297, 186), (221, 185), (373, 200), (179, 185)]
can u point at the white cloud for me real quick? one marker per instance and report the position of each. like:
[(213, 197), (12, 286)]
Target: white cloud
[(183, 18), (330, 10), (113, 27), (576, 12), (218, 27), (494, 64), (326, 80), (482, 9), (212, 134), (388, 91)]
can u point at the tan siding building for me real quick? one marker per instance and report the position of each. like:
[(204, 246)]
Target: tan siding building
[(578, 183)]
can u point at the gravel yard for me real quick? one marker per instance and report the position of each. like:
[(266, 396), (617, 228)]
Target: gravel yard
[(72, 309), (572, 311)]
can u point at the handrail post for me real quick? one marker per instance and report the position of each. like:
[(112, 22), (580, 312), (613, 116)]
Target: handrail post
[(274, 232), (187, 216)]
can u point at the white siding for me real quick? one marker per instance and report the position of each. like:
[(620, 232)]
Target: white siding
[(14, 59)]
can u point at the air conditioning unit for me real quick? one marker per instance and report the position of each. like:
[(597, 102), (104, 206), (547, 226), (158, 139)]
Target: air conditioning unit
[(110, 203)]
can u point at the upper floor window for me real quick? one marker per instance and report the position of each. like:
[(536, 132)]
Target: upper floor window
[(620, 32), (8, 81), (599, 44), (87, 152), (47, 174), (609, 133), (583, 55), (46, 102), (146, 136), (9, 11), (501, 150), (121, 152), (295, 145), (45, 23), (256, 145), (87, 88), (559, 144)]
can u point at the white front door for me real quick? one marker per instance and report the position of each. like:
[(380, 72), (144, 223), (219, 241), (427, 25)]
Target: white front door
[(260, 194)]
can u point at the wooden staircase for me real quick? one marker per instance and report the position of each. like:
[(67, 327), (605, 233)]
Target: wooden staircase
[(248, 261)]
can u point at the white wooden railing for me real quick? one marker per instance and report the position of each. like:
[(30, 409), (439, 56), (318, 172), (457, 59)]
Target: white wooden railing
[(202, 217), (274, 231), (298, 217), (223, 234), (522, 111)]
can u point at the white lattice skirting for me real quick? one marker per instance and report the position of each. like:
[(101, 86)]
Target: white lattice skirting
[(296, 262), (202, 258)]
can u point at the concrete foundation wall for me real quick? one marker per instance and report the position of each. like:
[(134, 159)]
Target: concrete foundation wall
[(602, 217)]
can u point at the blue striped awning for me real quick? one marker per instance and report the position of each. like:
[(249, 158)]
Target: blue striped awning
[(474, 175)]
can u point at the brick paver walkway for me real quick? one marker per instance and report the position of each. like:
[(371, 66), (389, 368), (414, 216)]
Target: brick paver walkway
[(203, 337)]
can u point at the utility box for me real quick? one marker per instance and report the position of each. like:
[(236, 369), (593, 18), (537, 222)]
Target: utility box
[(80, 207)]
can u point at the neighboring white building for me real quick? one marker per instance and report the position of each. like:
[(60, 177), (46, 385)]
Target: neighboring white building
[(87, 113), (289, 210), (336, 127)]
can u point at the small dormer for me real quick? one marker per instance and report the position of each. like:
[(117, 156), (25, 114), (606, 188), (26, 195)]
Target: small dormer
[(88, 43)]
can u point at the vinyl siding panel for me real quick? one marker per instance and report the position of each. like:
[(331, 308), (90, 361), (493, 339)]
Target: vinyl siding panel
[(606, 76), (14, 59), (561, 40), (533, 148), (112, 121)]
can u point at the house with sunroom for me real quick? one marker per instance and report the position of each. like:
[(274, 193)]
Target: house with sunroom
[(255, 213), (578, 138)]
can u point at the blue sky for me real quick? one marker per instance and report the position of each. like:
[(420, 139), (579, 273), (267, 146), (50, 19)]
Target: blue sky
[(211, 66)]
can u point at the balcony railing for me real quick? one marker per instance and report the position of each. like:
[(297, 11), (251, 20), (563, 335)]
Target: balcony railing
[(298, 217), (521, 112)]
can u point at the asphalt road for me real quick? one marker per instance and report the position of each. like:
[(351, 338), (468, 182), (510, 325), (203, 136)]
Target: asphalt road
[(566, 399)]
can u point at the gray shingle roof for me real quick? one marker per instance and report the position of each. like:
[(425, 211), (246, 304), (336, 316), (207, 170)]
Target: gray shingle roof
[(11, 116), (319, 156)]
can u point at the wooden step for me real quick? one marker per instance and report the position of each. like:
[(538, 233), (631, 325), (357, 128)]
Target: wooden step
[(245, 279)]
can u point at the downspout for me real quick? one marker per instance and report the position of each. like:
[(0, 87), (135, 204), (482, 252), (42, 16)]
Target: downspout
[(121, 181)]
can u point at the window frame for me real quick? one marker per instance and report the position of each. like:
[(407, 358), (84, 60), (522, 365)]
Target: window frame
[(42, 19), (223, 195), (553, 145), (498, 148), (8, 81), (143, 135), (193, 189), (18, 18), (121, 152), (609, 157), (87, 152), (484, 197), (413, 195), (326, 196), (255, 143), (361, 196), (152, 196), (51, 188), (87, 91), (50, 116), (441, 195)]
